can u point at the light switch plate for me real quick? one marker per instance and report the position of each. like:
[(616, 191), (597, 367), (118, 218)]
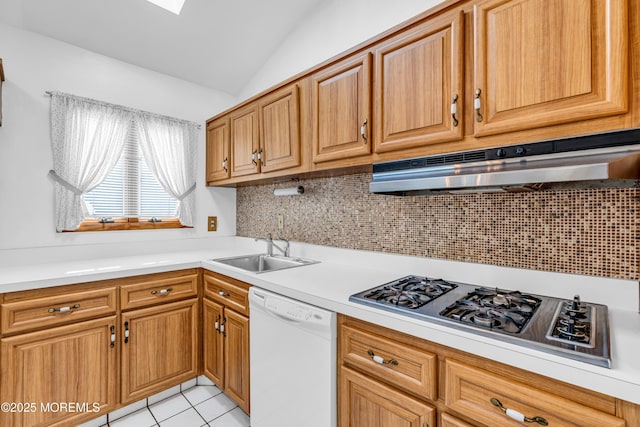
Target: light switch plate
[(212, 223), (280, 221)]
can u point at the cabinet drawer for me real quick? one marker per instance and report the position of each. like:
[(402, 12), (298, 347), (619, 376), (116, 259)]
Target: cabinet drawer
[(158, 291), (396, 363), (447, 420), (228, 292), (470, 390), (45, 312)]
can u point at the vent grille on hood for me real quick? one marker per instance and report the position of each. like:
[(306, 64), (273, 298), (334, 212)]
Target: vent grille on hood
[(614, 155)]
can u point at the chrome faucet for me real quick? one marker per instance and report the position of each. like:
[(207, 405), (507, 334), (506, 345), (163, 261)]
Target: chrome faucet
[(284, 251), (269, 241), (271, 245)]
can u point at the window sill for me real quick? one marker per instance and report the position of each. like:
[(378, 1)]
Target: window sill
[(128, 224)]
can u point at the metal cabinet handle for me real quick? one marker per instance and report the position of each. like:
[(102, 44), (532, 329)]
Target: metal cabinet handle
[(253, 157), (260, 157), (64, 309), (477, 105), (112, 329), (161, 291), (512, 413), (363, 131), (381, 360), (222, 331), (224, 164), (216, 324), (223, 293), (126, 332), (454, 110)]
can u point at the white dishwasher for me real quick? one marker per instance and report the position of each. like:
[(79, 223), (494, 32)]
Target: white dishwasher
[(293, 362)]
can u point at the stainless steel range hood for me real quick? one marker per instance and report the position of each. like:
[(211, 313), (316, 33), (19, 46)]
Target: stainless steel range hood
[(524, 167)]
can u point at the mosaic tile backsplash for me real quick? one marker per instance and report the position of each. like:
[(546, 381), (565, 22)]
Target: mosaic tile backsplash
[(591, 231)]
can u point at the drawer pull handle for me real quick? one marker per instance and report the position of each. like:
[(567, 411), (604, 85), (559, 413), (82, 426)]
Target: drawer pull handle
[(381, 360), (223, 293), (64, 309), (161, 291), (512, 413)]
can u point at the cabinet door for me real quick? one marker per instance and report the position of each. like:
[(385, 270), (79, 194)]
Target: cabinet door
[(74, 363), (279, 130), (245, 141), (368, 403), (161, 348), (545, 62), (213, 346), (236, 360), (418, 75), (218, 140), (342, 110)]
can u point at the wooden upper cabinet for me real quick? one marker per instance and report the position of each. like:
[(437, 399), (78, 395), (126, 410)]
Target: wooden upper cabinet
[(245, 141), (218, 140), (279, 130), (418, 75), (545, 62), (342, 110)]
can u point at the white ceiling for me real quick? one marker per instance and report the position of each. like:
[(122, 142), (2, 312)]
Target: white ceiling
[(214, 43)]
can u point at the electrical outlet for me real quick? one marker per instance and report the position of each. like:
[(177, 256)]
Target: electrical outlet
[(280, 221), (212, 223)]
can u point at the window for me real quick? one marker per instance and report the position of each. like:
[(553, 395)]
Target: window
[(97, 146), (130, 196)]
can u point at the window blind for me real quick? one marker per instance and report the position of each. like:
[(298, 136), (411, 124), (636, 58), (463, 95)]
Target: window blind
[(130, 190)]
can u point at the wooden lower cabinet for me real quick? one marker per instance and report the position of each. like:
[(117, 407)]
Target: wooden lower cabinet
[(213, 342), (368, 403), (447, 420), (43, 370), (382, 384), (226, 351), (479, 394), (159, 348)]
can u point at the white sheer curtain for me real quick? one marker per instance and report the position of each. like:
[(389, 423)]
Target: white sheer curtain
[(87, 138), (169, 148)]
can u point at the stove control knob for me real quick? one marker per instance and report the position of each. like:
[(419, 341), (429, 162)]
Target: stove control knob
[(575, 305), (501, 152), (520, 150)]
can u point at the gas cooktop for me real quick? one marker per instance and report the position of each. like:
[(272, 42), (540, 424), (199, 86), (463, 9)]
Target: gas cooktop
[(570, 328)]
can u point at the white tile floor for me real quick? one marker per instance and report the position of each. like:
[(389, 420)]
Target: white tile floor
[(197, 406)]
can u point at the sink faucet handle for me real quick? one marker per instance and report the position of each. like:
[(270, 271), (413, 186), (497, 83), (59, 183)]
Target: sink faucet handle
[(286, 246)]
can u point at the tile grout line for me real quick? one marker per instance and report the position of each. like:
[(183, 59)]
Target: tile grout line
[(193, 406), (151, 412)]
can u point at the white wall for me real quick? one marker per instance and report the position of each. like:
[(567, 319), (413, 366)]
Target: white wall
[(335, 26), (34, 64)]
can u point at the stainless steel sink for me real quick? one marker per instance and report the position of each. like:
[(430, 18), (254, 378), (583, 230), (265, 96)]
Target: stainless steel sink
[(263, 263)]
